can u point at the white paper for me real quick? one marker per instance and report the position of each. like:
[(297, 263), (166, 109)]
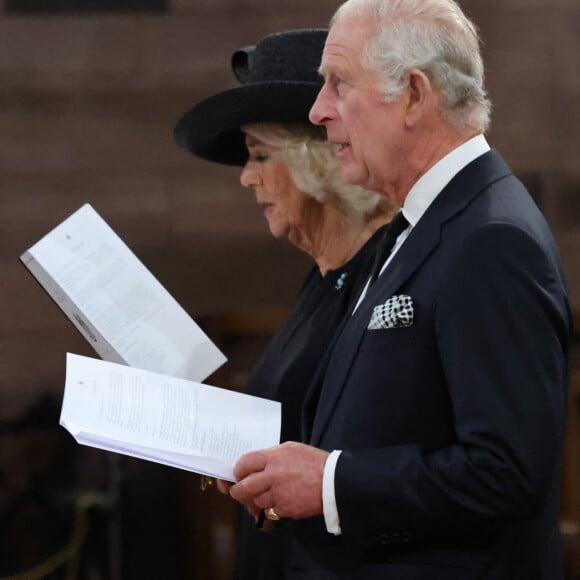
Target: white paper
[(116, 303), (164, 419)]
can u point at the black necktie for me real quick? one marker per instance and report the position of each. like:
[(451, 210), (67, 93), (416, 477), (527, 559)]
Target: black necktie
[(384, 247)]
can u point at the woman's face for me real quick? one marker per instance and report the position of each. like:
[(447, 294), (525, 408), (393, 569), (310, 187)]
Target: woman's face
[(287, 208)]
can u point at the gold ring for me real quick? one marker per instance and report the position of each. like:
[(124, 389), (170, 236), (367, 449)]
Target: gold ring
[(272, 515)]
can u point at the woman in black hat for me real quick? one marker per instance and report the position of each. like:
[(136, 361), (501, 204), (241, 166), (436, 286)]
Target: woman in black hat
[(262, 125)]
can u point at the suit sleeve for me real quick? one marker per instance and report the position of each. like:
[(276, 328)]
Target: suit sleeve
[(501, 327)]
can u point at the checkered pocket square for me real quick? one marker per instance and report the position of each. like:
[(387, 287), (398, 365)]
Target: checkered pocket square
[(397, 311)]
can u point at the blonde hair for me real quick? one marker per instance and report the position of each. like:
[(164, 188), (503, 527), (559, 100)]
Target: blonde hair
[(313, 167)]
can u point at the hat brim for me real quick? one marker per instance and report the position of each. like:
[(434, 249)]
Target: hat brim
[(211, 129)]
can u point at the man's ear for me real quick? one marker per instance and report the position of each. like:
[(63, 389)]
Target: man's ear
[(420, 97)]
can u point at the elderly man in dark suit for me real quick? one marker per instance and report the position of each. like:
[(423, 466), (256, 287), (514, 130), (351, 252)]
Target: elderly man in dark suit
[(432, 440)]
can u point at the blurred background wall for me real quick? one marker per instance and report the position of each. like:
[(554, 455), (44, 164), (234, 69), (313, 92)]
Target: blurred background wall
[(89, 93)]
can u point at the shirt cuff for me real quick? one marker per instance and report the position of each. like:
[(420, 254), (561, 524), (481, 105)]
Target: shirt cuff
[(329, 508)]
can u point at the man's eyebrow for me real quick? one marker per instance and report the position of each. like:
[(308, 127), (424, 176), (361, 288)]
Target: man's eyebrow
[(325, 71)]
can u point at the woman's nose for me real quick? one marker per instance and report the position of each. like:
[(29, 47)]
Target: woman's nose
[(249, 176)]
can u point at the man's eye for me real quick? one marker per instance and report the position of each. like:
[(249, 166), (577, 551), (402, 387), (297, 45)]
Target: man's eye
[(337, 84), (260, 158), (335, 81)]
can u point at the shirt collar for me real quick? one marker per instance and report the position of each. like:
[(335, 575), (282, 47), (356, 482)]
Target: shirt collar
[(432, 183)]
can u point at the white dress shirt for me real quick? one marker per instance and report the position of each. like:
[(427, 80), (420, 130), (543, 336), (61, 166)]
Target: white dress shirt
[(419, 198)]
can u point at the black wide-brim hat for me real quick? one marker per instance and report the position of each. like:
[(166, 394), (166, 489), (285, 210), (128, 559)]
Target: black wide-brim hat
[(279, 84)]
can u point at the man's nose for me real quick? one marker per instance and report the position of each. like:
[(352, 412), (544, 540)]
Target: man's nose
[(320, 112)]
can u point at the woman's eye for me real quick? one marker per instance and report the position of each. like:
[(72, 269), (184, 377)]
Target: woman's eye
[(260, 157)]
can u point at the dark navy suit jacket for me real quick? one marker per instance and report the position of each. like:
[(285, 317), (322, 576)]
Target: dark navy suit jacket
[(451, 428)]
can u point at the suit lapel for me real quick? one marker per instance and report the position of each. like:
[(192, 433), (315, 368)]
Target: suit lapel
[(410, 257), (422, 241)]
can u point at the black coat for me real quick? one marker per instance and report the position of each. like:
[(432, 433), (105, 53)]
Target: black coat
[(451, 428), (284, 373)]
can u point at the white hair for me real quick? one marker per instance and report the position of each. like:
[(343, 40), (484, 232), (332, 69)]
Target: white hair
[(435, 37), (312, 165)]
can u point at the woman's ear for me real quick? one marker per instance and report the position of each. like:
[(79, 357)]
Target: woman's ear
[(421, 97)]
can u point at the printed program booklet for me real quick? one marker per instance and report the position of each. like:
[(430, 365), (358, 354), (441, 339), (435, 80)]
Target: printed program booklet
[(116, 303), (164, 419)]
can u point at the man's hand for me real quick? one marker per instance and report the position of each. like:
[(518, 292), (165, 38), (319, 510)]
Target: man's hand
[(287, 477)]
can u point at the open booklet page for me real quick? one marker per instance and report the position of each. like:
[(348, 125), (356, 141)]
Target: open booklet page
[(164, 419), (116, 303)]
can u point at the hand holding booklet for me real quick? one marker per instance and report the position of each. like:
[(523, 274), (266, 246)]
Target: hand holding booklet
[(164, 419)]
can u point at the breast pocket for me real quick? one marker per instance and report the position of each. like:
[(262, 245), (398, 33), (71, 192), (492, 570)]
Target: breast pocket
[(388, 339)]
